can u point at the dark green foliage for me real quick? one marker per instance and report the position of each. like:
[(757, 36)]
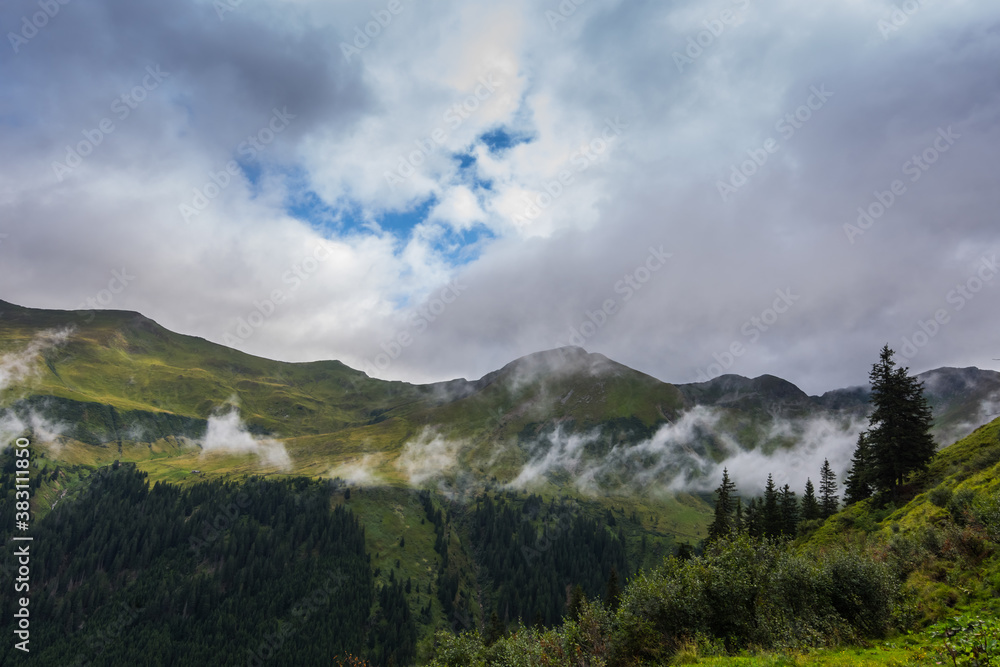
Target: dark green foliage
[(723, 525), (810, 506), (749, 592), (770, 521), (613, 593), (531, 556), (789, 508), (494, 630), (754, 521), (827, 491), (212, 574), (899, 425), (575, 602), (859, 485)]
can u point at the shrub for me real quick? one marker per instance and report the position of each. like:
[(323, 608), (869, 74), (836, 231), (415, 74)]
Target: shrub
[(753, 593), (940, 495), (969, 641), (986, 510), (960, 504)]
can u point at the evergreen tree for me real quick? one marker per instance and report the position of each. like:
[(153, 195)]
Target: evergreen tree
[(575, 601), (685, 551), (753, 518), (613, 594), (739, 522), (899, 425), (858, 485), (789, 508), (771, 512), (810, 506), (722, 525), (494, 630), (827, 490)]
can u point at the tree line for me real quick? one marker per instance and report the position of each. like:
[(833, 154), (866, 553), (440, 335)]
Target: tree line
[(896, 444)]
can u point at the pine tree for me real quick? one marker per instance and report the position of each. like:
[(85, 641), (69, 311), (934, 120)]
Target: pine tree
[(739, 522), (770, 513), (722, 525), (858, 485), (613, 593), (575, 601), (494, 630), (899, 425), (810, 506), (827, 491), (753, 518), (789, 507)]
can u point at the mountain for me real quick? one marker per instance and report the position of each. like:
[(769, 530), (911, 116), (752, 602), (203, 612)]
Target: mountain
[(471, 496), (961, 398), (107, 385)]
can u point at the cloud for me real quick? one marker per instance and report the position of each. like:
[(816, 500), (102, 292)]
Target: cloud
[(528, 281), (20, 366), (428, 456), (361, 471), (45, 431), (228, 434), (689, 455)]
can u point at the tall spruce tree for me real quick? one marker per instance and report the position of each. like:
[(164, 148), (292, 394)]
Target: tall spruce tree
[(827, 490), (771, 512), (810, 506), (858, 485), (722, 524), (789, 508), (899, 425), (753, 520)]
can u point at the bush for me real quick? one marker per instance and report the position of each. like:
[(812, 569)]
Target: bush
[(986, 510), (960, 504), (752, 593), (969, 641), (940, 495)]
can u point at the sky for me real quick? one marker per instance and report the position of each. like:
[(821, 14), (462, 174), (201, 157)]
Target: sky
[(429, 192)]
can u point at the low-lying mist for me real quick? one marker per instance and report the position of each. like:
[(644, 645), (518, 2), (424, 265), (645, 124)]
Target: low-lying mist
[(689, 454)]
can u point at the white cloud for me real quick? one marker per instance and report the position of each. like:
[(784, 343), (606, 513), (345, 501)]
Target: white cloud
[(20, 366), (655, 185), (428, 456), (228, 434)]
